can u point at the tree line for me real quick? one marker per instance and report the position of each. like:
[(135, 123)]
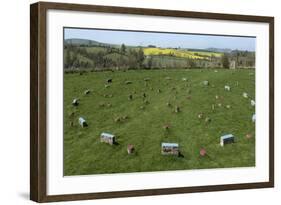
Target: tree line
[(125, 57), (107, 57)]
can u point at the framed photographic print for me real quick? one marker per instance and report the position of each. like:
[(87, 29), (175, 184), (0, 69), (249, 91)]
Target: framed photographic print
[(134, 102)]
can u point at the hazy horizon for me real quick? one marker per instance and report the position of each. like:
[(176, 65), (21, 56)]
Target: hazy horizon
[(140, 38)]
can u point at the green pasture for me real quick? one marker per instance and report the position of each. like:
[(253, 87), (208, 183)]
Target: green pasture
[(143, 118)]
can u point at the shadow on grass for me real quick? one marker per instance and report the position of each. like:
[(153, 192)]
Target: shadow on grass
[(116, 143), (181, 155)]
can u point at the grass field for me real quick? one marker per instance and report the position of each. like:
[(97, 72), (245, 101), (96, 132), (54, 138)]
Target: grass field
[(85, 154)]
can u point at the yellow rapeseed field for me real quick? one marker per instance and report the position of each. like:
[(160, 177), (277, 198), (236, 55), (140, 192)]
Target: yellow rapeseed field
[(180, 53)]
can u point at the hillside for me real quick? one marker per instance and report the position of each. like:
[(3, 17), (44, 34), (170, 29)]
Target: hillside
[(81, 54), (84, 42)]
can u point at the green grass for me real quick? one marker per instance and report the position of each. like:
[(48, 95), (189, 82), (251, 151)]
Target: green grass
[(85, 154)]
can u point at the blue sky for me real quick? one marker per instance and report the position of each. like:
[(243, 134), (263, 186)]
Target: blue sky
[(162, 39)]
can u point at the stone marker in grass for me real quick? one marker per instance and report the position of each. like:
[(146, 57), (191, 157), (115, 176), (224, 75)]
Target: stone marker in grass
[(253, 103), (125, 117), (106, 86), (203, 152), (249, 136), (117, 119), (101, 104), (228, 106), (128, 82), (227, 87), (226, 139), (170, 149), (130, 148), (166, 127), (71, 114), (86, 92), (107, 138), (200, 115), (205, 83), (177, 109), (245, 95), (121, 118), (75, 102), (207, 120), (82, 122), (254, 118)]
